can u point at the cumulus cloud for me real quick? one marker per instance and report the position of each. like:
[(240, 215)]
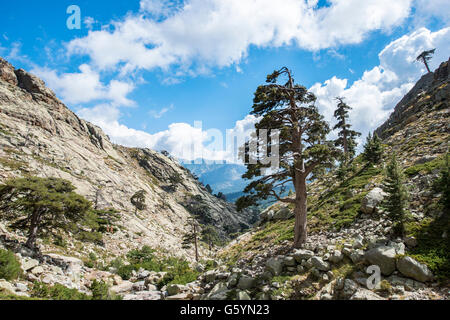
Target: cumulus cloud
[(85, 86), (374, 96), (208, 33), (182, 140)]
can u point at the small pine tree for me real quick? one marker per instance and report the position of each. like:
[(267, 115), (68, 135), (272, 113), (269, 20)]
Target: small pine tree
[(210, 236), (138, 201), (346, 136), (443, 185), (373, 149), (397, 196), (191, 237)]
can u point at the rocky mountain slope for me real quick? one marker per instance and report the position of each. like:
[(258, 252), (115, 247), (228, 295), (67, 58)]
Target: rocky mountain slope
[(40, 136), (349, 229)]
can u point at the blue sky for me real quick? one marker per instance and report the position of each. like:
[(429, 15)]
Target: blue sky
[(146, 70)]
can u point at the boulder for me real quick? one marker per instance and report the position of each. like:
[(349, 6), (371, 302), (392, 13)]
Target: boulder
[(6, 286), (383, 257), (219, 292), (371, 201), (336, 257), (242, 295), (175, 289), (233, 280), (246, 282), (210, 276), (275, 265), (290, 262), (28, 264), (301, 254), (125, 286), (364, 294), (283, 214), (37, 270), (144, 296), (413, 269), (319, 264), (357, 256)]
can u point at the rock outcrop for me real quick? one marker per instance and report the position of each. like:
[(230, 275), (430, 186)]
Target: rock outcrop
[(40, 136)]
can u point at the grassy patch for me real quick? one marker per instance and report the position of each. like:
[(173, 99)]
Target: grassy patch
[(425, 168), (432, 249)]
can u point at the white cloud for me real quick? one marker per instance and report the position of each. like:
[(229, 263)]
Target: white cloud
[(158, 114), (429, 9), (182, 140), (375, 95), (218, 33), (85, 86)]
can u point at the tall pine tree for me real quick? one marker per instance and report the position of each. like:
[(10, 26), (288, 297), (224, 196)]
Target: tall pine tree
[(397, 196), (302, 146), (346, 136)]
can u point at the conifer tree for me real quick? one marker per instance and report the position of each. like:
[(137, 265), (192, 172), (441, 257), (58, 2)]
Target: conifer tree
[(138, 201), (373, 149), (346, 136), (425, 57), (397, 196), (42, 205), (210, 236), (191, 237), (302, 146)]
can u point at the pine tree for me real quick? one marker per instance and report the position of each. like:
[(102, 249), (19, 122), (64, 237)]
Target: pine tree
[(373, 149), (346, 136), (191, 237), (302, 146), (397, 196), (425, 57), (443, 185), (138, 201), (42, 205), (210, 236)]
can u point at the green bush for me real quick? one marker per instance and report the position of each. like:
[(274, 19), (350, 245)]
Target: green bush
[(100, 291), (57, 292), (9, 265)]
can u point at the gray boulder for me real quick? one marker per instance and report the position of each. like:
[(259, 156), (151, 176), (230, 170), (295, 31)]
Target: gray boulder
[(336, 257), (413, 269), (364, 294), (246, 282), (301, 254), (283, 214), (275, 265), (319, 264), (371, 201), (383, 257)]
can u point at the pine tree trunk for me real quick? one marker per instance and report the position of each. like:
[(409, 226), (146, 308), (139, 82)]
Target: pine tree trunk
[(33, 231), (195, 243), (426, 64), (300, 229)]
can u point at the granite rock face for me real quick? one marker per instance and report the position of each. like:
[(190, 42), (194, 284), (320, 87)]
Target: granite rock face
[(40, 136)]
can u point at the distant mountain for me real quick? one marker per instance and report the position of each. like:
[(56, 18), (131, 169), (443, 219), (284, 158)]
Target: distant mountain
[(225, 178)]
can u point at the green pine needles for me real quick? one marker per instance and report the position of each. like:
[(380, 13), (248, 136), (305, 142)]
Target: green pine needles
[(396, 201)]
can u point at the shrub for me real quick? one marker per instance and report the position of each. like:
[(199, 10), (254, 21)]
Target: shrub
[(57, 292), (100, 290), (9, 265)]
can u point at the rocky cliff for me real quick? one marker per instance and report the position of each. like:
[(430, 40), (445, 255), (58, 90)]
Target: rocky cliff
[(40, 136)]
